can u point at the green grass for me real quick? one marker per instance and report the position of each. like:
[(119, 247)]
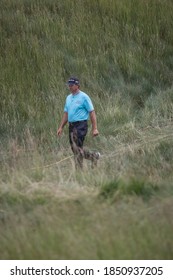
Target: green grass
[(122, 53), (42, 226)]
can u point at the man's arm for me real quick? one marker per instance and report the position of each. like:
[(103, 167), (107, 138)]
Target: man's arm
[(94, 123), (63, 123)]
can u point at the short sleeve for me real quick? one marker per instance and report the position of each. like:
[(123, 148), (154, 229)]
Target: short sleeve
[(88, 104)]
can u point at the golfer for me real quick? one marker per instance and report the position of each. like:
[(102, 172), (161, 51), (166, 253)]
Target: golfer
[(77, 110)]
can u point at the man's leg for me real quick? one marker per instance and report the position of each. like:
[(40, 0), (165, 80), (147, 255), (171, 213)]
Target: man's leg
[(78, 151), (77, 136), (92, 156), (76, 142)]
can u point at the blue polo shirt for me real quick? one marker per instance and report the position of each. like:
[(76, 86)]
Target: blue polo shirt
[(78, 106)]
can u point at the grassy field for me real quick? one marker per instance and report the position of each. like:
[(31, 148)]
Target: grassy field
[(122, 52)]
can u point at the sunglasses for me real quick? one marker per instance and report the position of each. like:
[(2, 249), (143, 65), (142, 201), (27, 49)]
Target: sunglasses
[(71, 84)]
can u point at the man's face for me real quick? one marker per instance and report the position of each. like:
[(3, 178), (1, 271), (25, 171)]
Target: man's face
[(73, 88)]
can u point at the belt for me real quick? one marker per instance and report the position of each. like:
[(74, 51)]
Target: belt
[(73, 123)]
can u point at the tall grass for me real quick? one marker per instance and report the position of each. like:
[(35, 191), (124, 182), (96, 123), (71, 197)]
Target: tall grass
[(112, 46), (122, 53)]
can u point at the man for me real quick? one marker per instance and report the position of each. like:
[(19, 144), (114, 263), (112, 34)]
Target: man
[(77, 110)]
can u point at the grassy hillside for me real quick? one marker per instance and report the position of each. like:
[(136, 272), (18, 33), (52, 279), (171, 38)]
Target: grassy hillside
[(122, 51)]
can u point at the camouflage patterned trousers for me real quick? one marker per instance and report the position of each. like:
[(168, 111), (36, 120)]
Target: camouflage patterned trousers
[(77, 133)]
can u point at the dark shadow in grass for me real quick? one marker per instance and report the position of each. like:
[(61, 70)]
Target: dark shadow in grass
[(118, 188)]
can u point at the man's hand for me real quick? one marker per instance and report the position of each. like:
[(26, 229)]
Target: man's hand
[(59, 131), (94, 124), (63, 122), (95, 132)]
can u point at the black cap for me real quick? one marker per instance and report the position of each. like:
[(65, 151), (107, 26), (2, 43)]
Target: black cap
[(73, 80)]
